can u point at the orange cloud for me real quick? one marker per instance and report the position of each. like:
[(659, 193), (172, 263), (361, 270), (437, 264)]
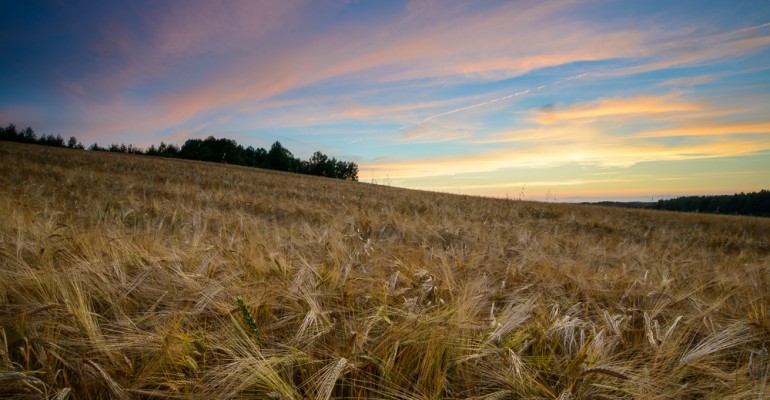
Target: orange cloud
[(710, 129), (578, 135), (610, 153), (614, 108)]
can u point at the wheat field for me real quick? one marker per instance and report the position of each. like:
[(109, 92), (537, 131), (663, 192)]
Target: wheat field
[(130, 277)]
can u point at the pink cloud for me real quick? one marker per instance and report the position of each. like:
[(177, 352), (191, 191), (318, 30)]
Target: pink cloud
[(664, 49), (256, 51), (406, 49)]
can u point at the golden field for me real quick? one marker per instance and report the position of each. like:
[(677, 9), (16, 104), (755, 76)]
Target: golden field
[(120, 274)]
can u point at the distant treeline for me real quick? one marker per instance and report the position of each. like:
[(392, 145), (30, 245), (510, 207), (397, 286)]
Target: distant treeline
[(210, 149), (755, 203), (622, 204)]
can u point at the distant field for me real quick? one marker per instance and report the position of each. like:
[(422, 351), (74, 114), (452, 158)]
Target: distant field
[(119, 276)]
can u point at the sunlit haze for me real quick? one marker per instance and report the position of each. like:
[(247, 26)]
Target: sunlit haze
[(543, 100)]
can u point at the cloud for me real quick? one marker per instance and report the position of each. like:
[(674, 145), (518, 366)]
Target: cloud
[(413, 46), (709, 129), (690, 80), (173, 40), (666, 49), (485, 44), (478, 105), (612, 153), (613, 108), (347, 109), (433, 132), (440, 70), (437, 128), (608, 133)]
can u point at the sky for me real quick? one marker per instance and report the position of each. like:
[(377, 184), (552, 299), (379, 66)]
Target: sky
[(539, 100)]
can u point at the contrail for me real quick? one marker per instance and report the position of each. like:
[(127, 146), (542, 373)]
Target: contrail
[(482, 104), (488, 102)]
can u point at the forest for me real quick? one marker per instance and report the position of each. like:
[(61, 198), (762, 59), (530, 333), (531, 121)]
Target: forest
[(755, 203), (220, 150)]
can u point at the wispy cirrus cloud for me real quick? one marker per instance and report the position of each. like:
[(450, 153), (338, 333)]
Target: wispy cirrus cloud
[(490, 84), (611, 153), (430, 132), (705, 128), (667, 49), (690, 80), (412, 46), (609, 133), (614, 108), (477, 105), (247, 55)]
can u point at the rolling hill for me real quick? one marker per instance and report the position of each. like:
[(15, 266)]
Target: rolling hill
[(124, 276)]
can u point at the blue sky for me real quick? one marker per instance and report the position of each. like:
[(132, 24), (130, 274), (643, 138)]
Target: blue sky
[(567, 100)]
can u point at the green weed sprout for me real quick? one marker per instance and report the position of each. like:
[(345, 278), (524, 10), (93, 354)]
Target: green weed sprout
[(247, 315)]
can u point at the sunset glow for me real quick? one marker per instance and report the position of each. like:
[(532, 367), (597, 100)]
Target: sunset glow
[(553, 100)]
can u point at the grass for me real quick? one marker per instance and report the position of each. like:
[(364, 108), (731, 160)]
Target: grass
[(135, 277)]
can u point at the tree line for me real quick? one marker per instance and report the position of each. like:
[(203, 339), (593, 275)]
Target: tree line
[(755, 203), (211, 149)]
